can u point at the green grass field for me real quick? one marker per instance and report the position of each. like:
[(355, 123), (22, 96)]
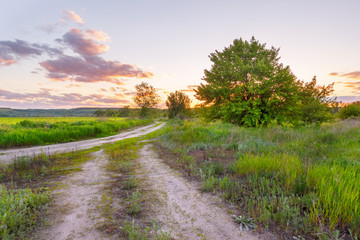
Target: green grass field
[(17, 132), (295, 181)]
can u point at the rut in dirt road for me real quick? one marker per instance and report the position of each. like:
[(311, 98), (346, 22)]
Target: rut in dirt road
[(74, 214), (181, 208)]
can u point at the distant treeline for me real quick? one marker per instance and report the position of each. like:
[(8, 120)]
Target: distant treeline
[(77, 112)]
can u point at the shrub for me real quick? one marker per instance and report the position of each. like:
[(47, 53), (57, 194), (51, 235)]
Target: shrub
[(349, 111)]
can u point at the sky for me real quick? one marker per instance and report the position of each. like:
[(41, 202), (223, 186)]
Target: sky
[(90, 53)]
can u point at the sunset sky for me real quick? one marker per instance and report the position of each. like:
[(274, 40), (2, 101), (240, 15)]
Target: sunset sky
[(67, 54)]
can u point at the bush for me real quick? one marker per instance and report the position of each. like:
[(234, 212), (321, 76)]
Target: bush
[(19, 210), (349, 111)]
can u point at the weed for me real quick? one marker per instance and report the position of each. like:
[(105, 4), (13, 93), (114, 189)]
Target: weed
[(244, 223), (130, 183), (134, 205), (19, 211), (135, 232)]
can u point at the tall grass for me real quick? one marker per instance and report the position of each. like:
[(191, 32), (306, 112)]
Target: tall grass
[(295, 179), (30, 132)]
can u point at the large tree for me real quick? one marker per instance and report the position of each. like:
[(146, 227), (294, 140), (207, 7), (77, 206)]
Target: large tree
[(247, 85), (146, 97), (178, 104)]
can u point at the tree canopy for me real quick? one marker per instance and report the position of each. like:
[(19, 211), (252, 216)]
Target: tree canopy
[(146, 97), (247, 85), (178, 104)]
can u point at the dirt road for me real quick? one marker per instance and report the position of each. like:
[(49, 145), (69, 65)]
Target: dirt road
[(7, 156), (182, 209), (177, 204)]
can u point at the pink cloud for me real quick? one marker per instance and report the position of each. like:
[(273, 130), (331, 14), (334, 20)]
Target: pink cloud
[(190, 89), (81, 43), (6, 62), (90, 69), (12, 51), (72, 16), (73, 85), (353, 75), (97, 35), (45, 97)]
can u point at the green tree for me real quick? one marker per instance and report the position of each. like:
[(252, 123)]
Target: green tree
[(99, 113), (247, 85), (178, 104), (145, 98), (314, 103), (124, 112)]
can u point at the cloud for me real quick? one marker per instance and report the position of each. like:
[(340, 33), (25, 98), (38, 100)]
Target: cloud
[(353, 75), (68, 15), (97, 35), (190, 88), (84, 43), (5, 61), (12, 51), (45, 98), (73, 85), (130, 93), (353, 85), (83, 65), (72, 16), (49, 28), (90, 69)]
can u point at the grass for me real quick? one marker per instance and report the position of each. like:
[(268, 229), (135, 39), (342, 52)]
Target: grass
[(19, 211), (20, 132), (296, 181), (129, 221), (29, 170), (24, 198), (22, 194)]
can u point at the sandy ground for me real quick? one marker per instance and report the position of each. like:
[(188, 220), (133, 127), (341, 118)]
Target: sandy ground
[(7, 155), (74, 214), (181, 208)]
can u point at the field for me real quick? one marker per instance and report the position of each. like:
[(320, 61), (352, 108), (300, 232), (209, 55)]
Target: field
[(18, 132), (298, 182)]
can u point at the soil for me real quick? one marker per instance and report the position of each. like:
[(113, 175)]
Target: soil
[(181, 208), (74, 214)]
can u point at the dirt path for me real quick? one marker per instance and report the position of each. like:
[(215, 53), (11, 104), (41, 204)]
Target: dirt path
[(181, 208), (74, 214), (7, 155)]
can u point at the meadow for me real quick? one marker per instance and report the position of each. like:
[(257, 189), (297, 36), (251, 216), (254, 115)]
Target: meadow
[(24, 183), (303, 182), (18, 132), (300, 183)]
